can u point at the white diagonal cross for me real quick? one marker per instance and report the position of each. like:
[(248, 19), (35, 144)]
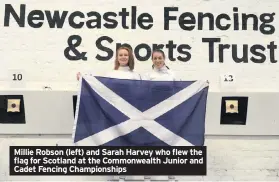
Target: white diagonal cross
[(141, 119)]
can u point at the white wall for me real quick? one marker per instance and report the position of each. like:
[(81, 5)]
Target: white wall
[(38, 53)]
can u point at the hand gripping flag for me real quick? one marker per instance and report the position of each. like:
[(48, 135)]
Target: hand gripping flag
[(119, 112)]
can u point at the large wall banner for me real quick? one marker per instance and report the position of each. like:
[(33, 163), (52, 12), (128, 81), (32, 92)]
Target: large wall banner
[(50, 41)]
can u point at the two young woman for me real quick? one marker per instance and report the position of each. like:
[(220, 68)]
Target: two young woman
[(124, 67)]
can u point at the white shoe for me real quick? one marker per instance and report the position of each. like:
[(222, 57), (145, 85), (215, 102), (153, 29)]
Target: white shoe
[(172, 178), (147, 178), (122, 179)]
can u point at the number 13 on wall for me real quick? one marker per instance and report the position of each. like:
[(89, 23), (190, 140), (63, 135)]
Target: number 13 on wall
[(228, 78), (227, 81)]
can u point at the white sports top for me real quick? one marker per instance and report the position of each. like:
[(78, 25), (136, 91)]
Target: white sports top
[(124, 72), (162, 74)]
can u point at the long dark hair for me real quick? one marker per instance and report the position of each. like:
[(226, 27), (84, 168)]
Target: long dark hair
[(162, 52)]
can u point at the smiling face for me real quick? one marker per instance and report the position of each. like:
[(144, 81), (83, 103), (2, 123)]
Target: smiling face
[(158, 60), (123, 57)]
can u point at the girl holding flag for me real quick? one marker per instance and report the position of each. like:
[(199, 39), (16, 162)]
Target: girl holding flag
[(123, 65)]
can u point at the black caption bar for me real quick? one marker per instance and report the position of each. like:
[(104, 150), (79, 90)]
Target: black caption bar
[(70, 160)]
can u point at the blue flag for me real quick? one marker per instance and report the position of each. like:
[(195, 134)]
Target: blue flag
[(119, 112)]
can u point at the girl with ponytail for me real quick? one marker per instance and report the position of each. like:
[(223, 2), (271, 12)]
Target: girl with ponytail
[(160, 71)]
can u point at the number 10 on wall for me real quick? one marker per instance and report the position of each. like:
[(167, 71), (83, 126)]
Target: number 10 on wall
[(17, 76)]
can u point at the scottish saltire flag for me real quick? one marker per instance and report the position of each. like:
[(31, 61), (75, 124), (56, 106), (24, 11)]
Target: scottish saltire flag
[(119, 112)]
